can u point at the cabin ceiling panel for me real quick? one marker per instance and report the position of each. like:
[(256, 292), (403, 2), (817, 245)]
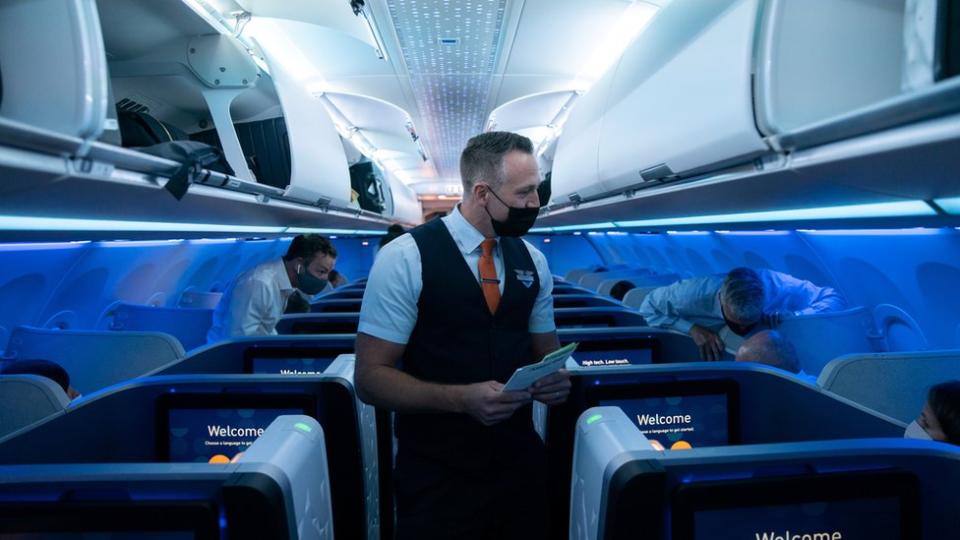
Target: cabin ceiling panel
[(451, 82)]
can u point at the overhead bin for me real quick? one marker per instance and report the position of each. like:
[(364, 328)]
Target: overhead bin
[(53, 66), (318, 173), (679, 100), (729, 86), (853, 59)]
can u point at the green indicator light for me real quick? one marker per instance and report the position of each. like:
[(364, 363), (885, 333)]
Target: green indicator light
[(593, 419), (303, 427)]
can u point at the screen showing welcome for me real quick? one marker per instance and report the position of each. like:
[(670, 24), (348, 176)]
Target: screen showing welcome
[(291, 366), (614, 358), (217, 435), (679, 422), (874, 519)]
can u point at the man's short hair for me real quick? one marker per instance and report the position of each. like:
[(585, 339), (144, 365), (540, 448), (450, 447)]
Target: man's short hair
[(308, 246), (482, 159), (771, 348), (944, 399), (742, 295), (42, 368)]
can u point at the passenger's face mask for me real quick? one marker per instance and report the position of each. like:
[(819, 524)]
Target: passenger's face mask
[(738, 329), (914, 431), (308, 283), (519, 220)]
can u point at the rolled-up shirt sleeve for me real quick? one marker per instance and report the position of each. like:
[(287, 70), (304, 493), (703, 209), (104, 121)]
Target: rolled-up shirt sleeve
[(670, 306), (389, 309), (541, 318)]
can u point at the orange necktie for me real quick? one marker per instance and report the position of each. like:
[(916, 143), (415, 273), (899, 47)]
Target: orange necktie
[(488, 275)]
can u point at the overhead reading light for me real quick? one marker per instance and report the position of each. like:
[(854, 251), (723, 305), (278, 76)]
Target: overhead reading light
[(360, 10)]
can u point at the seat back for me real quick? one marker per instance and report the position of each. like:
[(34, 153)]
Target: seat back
[(894, 384), (189, 325), (635, 296), (25, 399), (822, 337), (96, 359), (199, 299)]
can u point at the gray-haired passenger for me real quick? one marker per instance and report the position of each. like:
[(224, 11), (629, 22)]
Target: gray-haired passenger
[(744, 300)]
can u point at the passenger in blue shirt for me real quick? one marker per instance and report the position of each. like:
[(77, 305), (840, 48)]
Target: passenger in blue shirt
[(745, 300)]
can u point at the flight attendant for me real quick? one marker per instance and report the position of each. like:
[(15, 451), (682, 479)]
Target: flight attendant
[(451, 309)]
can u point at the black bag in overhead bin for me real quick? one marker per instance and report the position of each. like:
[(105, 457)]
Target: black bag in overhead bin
[(366, 181), (193, 158)]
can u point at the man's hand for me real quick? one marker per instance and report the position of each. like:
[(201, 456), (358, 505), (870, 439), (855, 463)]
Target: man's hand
[(709, 343), (773, 319), (552, 389), (489, 404)]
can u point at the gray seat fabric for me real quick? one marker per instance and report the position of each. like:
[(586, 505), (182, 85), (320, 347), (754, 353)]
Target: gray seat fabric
[(821, 337), (635, 296), (26, 399), (188, 325), (894, 384), (96, 359), (199, 300)]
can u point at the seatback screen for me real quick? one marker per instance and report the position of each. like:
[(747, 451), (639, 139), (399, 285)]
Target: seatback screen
[(680, 422), (290, 366), (625, 357), (214, 428), (679, 415), (275, 360), (840, 506)]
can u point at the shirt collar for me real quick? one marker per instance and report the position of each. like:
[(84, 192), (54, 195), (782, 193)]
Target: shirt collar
[(467, 237), (283, 280)]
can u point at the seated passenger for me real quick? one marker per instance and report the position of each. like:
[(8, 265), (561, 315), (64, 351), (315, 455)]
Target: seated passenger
[(940, 418), (336, 279), (771, 348), (621, 288), (255, 301), (741, 300), (43, 368)]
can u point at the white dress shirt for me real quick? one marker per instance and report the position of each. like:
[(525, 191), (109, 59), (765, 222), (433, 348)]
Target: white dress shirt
[(253, 303), (697, 301), (389, 309)]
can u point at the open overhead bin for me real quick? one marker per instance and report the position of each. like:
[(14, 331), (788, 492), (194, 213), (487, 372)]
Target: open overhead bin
[(53, 67), (724, 89)]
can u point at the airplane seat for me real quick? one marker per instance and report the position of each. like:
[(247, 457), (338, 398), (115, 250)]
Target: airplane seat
[(821, 337), (896, 330), (279, 488), (188, 325), (199, 299), (894, 384), (607, 285), (573, 276), (635, 296), (25, 399), (881, 488), (96, 359)]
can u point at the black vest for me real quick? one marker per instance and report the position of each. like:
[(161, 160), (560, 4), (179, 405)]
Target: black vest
[(457, 341)]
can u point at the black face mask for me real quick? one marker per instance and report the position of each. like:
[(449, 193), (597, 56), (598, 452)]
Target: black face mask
[(308, 283), (519, 220), (737, 329)]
